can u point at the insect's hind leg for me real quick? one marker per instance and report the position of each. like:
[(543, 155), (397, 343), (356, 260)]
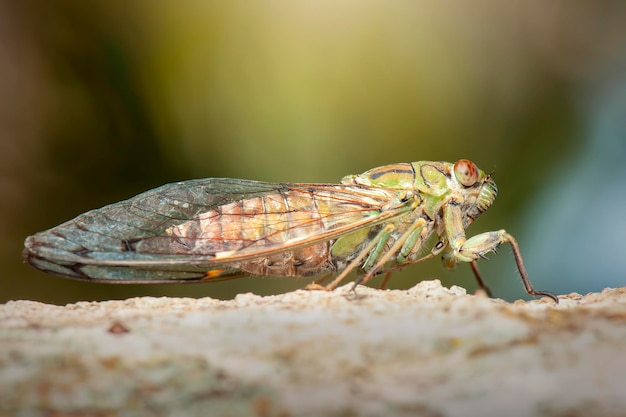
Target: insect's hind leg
[(397, 248), (318, 283), (369, 249)]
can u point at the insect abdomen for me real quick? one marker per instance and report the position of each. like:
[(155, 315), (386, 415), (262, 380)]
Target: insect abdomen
[(258, 223)]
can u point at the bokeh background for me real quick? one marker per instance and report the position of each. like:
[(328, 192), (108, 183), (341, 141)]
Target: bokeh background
[(102, 100)]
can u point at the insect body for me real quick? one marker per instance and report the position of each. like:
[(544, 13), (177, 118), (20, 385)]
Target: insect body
[(212, 229)]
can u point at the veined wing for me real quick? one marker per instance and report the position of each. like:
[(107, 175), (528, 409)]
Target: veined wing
[(181, 231)]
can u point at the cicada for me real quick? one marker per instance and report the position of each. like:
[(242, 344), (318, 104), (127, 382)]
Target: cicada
[(213, 229)]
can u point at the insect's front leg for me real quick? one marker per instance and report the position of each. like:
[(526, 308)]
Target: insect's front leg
[(469, 250)]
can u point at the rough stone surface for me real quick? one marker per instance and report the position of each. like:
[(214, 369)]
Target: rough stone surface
[(427, 351)]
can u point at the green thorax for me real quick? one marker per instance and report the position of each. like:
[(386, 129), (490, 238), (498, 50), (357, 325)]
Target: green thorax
[(436, 182)]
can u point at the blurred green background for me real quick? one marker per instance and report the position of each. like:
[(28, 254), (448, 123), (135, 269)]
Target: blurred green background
[(103, 100)]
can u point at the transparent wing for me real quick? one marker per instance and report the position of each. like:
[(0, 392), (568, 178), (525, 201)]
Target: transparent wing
[(198, 230)]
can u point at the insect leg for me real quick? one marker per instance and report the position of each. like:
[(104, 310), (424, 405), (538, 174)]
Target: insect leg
[(397, 246), (462, 250), (375, 253), (318, 282), (356, 261), (479, 279), (478, 245), (385, 280), (517, 254)]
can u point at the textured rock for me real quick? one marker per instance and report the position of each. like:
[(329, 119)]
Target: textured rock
[(428, 351)]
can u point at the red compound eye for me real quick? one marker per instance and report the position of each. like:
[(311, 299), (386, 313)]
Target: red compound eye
[(466, 172)]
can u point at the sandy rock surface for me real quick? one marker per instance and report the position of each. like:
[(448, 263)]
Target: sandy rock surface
[(426, 351)]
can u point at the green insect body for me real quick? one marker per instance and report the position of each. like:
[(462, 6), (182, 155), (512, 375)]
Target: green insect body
[(214, 229)]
